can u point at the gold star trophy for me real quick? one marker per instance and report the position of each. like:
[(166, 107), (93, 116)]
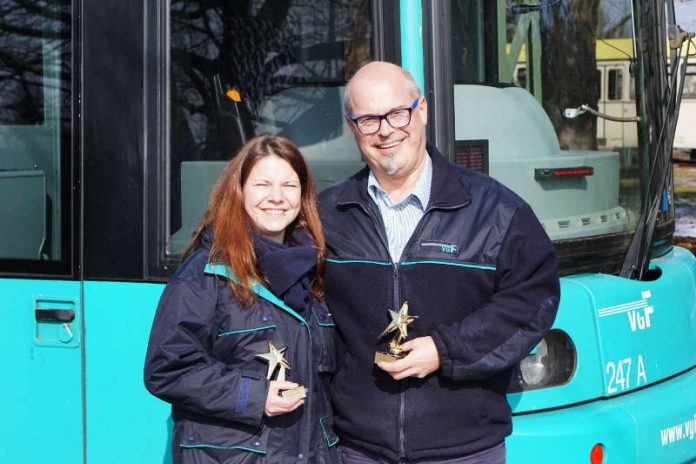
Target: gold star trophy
[(399, 322), (275, 359)]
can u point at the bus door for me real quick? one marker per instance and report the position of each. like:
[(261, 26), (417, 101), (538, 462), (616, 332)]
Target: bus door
[(41, 306)]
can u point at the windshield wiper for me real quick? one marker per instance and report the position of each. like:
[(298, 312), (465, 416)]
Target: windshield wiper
[(637, 259)]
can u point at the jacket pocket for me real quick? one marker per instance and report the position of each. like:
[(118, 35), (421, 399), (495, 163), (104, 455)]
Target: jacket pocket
[(324, 341), (238, 440), (242, 334), (458, 407), (327, 431)]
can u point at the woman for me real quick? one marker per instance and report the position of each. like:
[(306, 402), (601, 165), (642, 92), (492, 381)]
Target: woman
[(242, 321)]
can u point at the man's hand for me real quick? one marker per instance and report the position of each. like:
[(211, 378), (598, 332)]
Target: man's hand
[(421, 360), (276, 404)]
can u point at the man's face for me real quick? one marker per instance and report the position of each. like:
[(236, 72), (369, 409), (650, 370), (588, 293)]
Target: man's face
[(389, 153)]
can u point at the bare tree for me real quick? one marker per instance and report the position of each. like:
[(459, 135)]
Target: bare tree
[(34, 58), (569, 74)]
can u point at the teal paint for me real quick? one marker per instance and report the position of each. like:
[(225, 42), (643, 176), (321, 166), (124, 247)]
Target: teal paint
[(118, 317), (574, 416), (411, 24), (635, 375), (630, 427), (41, 389), (603, 315)]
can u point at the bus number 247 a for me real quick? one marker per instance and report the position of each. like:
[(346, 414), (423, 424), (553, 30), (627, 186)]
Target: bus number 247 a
[(622, 376)]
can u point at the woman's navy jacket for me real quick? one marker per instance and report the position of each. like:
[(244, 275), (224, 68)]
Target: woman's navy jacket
[(201, 359), (481, 275)]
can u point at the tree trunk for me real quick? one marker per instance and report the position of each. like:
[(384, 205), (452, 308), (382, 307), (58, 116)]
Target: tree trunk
[(570, 77)]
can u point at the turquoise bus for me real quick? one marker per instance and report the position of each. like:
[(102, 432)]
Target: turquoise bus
[(116, 117)]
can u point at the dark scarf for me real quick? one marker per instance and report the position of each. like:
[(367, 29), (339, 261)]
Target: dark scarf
[(288, 267)]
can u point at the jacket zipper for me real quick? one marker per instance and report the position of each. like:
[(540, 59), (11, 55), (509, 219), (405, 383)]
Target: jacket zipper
[(402, 390), (381, 232), (377, 220), (396, 287)]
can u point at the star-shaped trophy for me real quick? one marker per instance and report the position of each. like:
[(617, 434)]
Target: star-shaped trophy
[(399, 323), (275, 359)]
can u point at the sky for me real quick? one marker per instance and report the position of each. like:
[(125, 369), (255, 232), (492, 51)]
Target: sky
[(685, 11)]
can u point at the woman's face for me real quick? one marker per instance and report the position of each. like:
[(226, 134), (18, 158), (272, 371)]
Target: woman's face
[(272, 196)]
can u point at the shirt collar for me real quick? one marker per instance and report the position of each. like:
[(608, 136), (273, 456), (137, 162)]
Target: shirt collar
[(421, 190)]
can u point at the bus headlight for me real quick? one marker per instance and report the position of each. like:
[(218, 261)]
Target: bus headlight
[(550, 364)]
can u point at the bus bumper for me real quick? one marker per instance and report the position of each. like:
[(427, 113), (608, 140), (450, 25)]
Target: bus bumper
[(656, 424)]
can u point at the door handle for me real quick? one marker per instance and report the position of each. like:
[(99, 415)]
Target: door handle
[(56, 322), (54, 315)]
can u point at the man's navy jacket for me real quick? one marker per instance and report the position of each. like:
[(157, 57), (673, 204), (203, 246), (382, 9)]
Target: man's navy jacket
[(481, 275)]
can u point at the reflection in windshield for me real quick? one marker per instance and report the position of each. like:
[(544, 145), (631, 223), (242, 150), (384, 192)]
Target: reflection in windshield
[(258, 48), (31, 38), (243, 67), (577, 61)]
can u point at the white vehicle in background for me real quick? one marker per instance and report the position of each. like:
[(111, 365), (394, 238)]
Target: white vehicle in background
[(617, 97), (685, 137)]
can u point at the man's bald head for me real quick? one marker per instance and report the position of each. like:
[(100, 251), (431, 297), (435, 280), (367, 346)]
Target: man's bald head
[(379, 72)]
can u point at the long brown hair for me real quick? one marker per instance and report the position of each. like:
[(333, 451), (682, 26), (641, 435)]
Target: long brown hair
[(230, 224)]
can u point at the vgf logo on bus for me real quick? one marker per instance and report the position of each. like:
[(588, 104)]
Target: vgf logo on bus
[(638, 312), (628, 372), (638, 320)]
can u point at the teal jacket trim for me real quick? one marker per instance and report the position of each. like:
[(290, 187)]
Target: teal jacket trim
[(484, 267), (445, 263), (247, 330), (326, 434), (260, 290), (360, 261), (251, 450), (323, 324)]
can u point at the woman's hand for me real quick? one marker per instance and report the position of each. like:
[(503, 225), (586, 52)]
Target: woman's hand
[(276, 404)]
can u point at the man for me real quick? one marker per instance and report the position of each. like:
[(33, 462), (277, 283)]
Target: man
[(467, 255)]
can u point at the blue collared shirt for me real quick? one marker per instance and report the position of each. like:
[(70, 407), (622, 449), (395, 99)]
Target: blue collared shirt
[(400, 220)]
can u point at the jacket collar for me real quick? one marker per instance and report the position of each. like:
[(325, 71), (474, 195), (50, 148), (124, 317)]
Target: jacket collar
[(448, 189), (225, 271)]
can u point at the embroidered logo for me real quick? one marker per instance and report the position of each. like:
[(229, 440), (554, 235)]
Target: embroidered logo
[(444, 247)]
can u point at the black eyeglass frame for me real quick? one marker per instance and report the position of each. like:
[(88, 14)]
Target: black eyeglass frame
[(384, 117)]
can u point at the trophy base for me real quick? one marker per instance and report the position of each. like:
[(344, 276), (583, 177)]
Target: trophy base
[(297, 392), (381, 356)]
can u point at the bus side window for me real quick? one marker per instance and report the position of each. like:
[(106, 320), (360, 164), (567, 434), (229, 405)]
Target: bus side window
[(690, 85), (615, 84), (34, 134), (521, 76)]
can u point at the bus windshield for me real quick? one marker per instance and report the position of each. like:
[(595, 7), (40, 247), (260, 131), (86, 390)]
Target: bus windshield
[(559, 114), (238, 69)]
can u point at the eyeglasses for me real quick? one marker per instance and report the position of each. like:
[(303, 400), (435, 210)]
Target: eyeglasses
[(370, 123)]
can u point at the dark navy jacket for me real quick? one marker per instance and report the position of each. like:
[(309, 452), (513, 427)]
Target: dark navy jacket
[(481, 275), (201, 360)]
